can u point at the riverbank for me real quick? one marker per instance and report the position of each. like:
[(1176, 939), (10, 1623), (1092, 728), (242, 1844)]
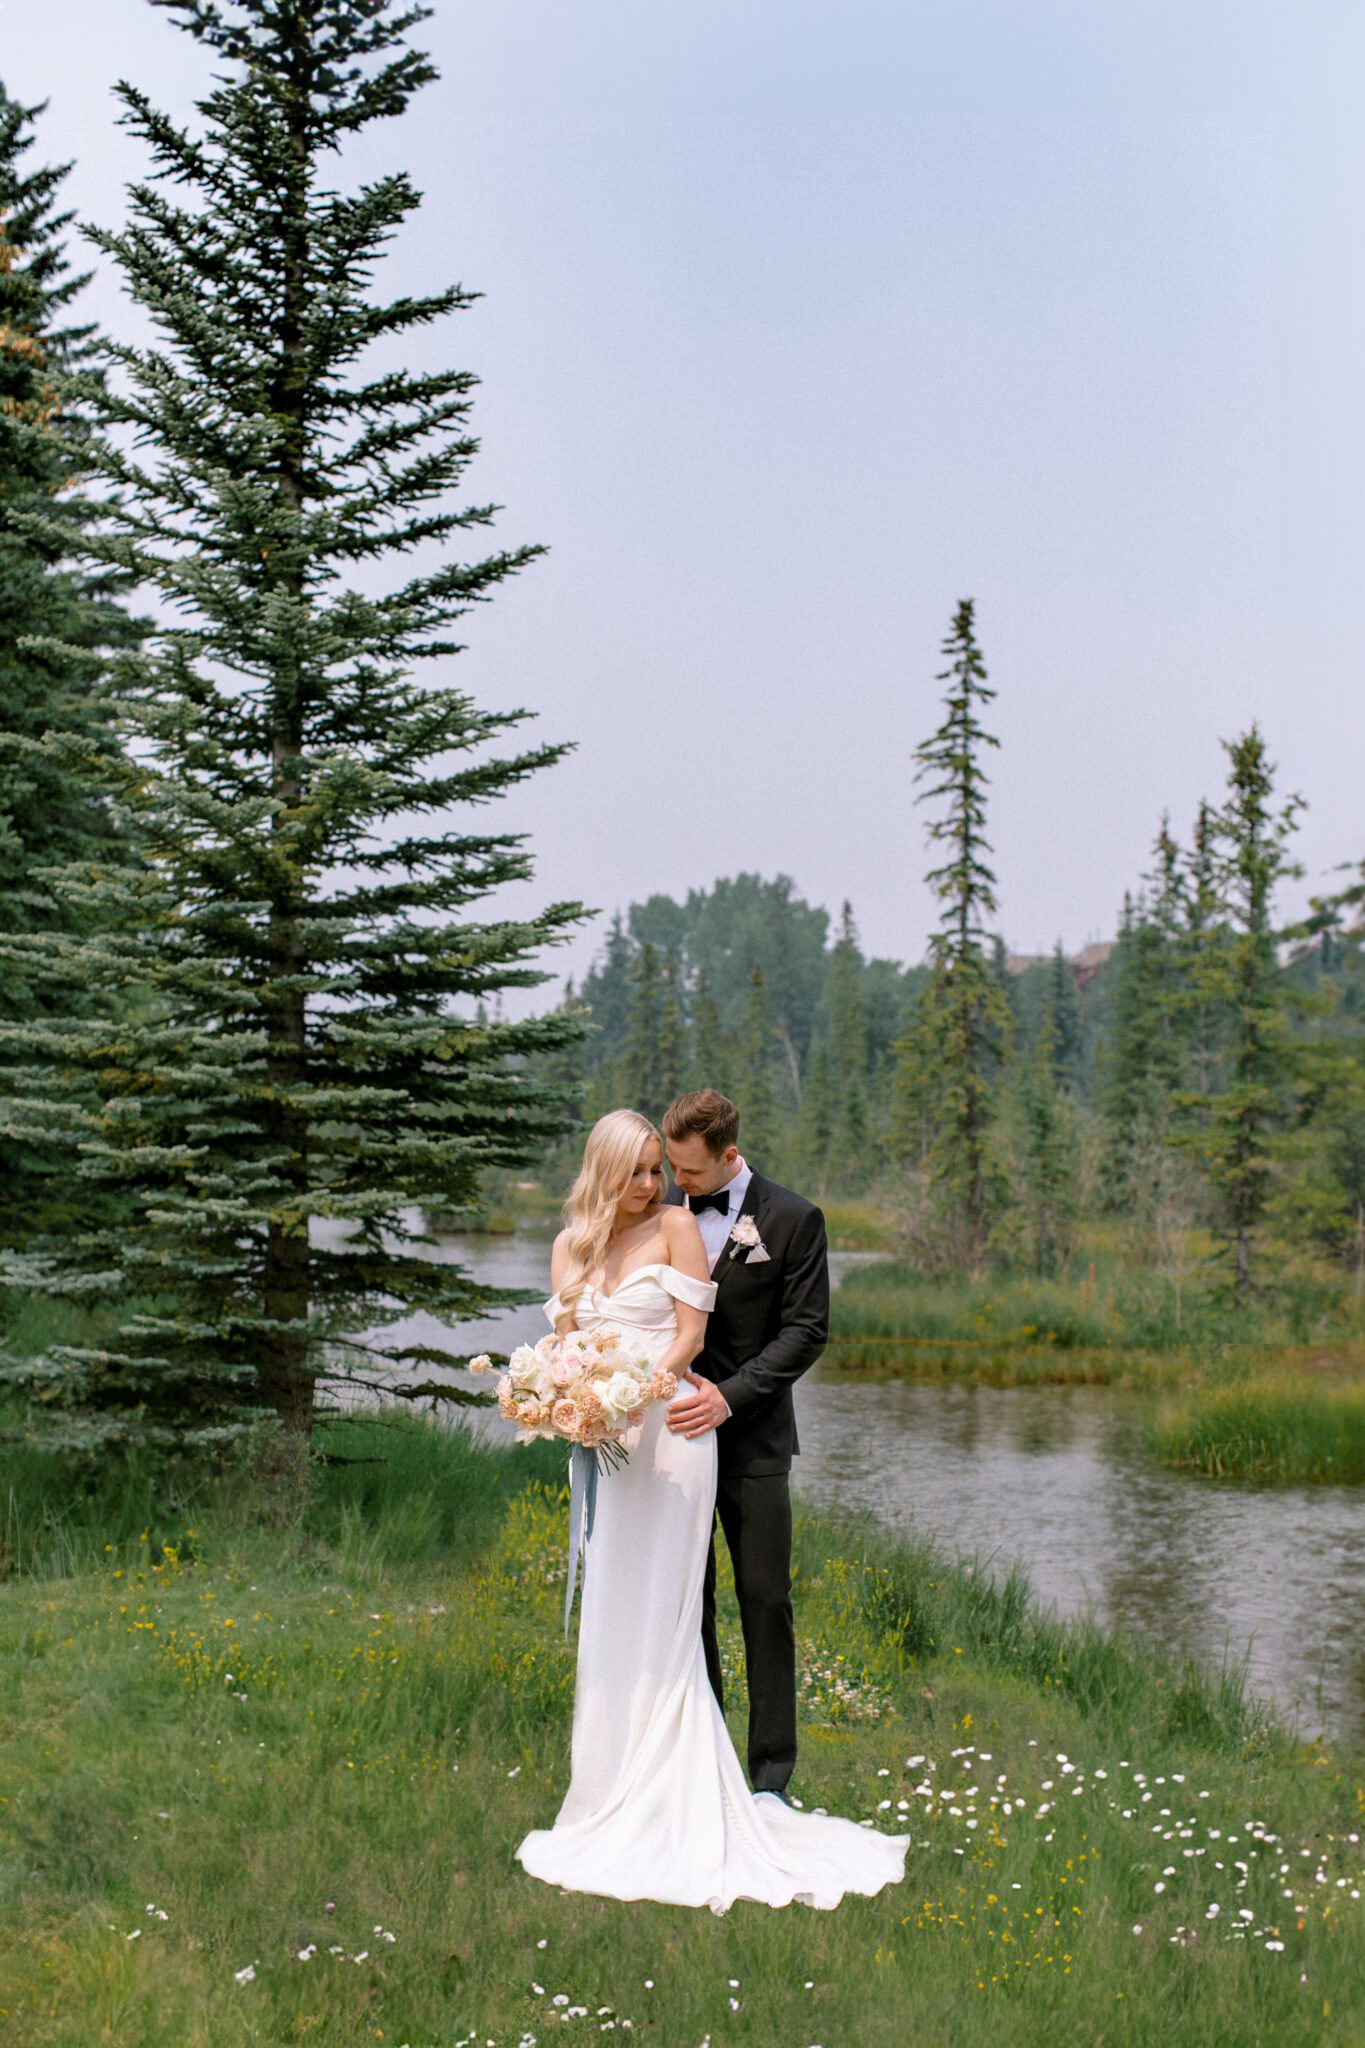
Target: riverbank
[(1107, 1328), (262, 1781)]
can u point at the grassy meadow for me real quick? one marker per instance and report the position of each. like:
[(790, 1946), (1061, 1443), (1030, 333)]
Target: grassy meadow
[(264, 1762)]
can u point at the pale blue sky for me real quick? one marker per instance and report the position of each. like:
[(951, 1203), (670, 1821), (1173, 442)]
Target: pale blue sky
[(803, 321)]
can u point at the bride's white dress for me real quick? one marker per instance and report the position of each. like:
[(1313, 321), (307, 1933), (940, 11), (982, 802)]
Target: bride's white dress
[(658, 1806)]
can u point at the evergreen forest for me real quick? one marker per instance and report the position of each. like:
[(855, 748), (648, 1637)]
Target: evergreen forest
[(1197, 1079)]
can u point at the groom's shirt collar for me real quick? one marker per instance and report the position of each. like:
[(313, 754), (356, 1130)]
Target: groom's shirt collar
[(715, 1225)]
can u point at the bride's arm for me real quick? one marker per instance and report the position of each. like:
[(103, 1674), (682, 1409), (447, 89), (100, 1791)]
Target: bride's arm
[(687, 1253), (559, 1266)]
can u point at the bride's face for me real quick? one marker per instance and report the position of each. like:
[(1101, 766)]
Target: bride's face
[(646, 1183)]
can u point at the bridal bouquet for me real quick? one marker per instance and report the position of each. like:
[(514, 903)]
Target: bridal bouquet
[(585, 1387)]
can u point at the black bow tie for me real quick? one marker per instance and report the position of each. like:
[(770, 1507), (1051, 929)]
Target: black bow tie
[(720, 1200)]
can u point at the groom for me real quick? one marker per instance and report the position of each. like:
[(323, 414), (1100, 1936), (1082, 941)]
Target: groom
[(768, 1256)]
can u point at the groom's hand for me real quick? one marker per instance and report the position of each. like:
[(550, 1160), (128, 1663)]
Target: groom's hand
[(704, 1408)]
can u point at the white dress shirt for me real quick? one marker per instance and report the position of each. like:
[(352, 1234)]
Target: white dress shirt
[(715, 1225)]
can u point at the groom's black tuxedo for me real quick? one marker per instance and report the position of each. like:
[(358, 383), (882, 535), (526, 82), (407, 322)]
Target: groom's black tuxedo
[(769, 1325)]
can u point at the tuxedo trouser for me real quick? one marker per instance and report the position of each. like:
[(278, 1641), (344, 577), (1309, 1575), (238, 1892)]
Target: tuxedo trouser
[(756, 1516)]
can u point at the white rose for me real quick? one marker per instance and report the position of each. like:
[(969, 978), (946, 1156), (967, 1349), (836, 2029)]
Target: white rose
[(524, 1368), (619, 1394)]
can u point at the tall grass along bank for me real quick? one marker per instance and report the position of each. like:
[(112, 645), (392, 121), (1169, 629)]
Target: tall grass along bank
[(1268, 1428), (261, 1780), (1115, 1327)]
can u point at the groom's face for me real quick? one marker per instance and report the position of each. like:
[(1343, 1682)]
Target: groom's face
[(698, 1170)]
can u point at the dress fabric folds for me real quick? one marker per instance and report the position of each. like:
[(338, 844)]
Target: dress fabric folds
[(658, 1806)]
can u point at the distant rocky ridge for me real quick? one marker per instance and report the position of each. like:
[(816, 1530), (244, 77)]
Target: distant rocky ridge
[(1084, 965)]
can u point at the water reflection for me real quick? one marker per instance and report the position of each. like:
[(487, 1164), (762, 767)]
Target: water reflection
[(1058, 1479)]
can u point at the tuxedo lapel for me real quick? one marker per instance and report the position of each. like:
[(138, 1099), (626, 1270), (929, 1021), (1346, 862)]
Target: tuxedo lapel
[(753, 1205)]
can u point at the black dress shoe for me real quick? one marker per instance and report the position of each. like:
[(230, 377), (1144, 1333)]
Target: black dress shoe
[(779, 1792)]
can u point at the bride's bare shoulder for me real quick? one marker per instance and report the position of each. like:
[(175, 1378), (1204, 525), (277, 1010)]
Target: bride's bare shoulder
[(559, 1258), (685, 1248)]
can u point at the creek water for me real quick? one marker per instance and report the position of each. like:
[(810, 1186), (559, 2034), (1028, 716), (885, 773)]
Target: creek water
[(1059, 1480)]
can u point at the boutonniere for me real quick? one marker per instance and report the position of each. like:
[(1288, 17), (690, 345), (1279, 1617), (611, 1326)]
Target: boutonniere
[(745, 1238)]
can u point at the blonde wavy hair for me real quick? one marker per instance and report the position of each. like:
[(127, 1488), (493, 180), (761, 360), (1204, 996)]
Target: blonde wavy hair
[(609, 1160)]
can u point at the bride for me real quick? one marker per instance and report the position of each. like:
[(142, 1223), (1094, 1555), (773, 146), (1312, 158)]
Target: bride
[(657, 1806)]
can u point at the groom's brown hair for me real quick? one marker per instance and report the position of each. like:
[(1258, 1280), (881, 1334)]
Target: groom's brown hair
[(705, 1114)]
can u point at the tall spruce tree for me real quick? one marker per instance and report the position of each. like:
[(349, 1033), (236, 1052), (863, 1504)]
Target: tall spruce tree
[(674, 1058), (640, 1083), (606, 987), (56, 613), (1169, 916), (306, 808), (1047, 1170), (849, 1120), (1200, 934), (710, 1067), (910, 1130), (1243, 977), (1323, 1201), (1062, 1011), (606, 995), (753, 1062), (962, 1023), (562, 1069), (814, 1125), (1141, 1063)]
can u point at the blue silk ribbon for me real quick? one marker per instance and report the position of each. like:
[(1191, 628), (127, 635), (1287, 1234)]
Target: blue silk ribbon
[(582, 1507)]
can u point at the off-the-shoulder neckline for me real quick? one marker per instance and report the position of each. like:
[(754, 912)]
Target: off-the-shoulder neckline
[(650, 1266)]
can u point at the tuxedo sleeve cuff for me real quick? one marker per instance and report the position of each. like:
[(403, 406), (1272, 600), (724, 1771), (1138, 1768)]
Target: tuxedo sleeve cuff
[(733, 1393)]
